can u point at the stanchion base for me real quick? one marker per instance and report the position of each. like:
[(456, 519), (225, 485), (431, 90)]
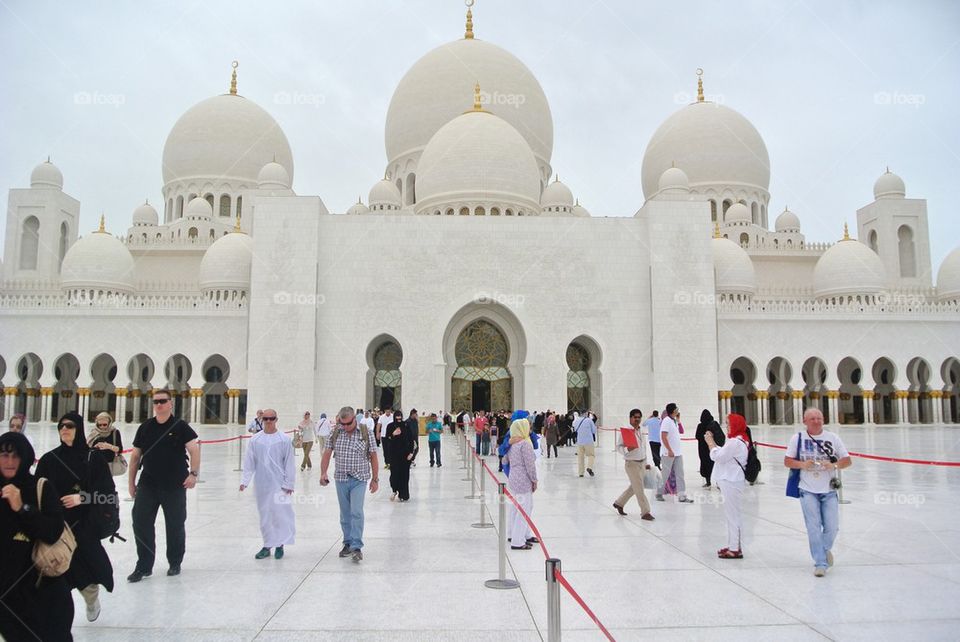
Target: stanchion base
[(472, 496), (502, 584), (466, 479), (481, 525), (844, 501)]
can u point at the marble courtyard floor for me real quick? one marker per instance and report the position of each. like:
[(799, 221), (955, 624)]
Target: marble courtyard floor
[(897, 573)]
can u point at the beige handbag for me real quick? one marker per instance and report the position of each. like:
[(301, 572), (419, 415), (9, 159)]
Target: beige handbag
[(119, 464), (53, 560)]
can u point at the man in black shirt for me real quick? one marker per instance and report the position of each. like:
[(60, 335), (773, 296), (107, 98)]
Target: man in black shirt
[(161, 447)]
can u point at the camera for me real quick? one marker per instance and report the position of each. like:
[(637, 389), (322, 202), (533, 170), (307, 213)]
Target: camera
[(835, 483)]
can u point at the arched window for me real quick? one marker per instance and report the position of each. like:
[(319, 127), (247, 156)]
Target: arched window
[(449, 211), (464, 211), (509, 212), (726, 205), (479, 212), (224, 205), (209, 199), (239, 205), (872, 241), (908, 259), (754, 213), (64, 233), (578, 379), (744, 240), (713, 210), (192, 233), (180, 207), (29, 243), (168, 212), (387, 379), (411, 196)]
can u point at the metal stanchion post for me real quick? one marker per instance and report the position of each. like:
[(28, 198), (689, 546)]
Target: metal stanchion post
[(483, 504), (840, 490), (502, 582), (239, 467), (473, 477), (466, 468), (200, 447), (553, 600)]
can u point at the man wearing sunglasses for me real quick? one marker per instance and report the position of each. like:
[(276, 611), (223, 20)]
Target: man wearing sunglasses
[(161, 446)]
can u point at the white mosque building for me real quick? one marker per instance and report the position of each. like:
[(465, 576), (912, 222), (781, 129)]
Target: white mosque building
[(220, 292)]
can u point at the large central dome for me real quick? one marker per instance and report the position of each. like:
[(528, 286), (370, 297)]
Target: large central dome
[(437, 88), (224, 138), (715, 145)]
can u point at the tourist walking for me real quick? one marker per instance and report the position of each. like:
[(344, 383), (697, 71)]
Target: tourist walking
[(522, 483), (308, 434), (323, 432), (105, 440), (356, 455), (707, 425), (32, 606), (256, 424), (271, 463), (552, 434), (673, 457), (400, 448), (653, 435), (634, 464), (730, 461), (818, 454), (434, 432), (160, 448), (84, 483), (586, 432)]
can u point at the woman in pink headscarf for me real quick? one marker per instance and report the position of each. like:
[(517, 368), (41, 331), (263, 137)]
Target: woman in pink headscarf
[(730, 462)]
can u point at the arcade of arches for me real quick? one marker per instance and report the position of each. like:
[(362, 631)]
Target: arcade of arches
[(847, 392)]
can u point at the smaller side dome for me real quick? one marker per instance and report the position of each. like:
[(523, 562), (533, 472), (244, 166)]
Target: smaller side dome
[(787, 221), (46, 175), (738, 213), (948, 277), (889, 185), (358, 208), (98, 261), (384, 195), (145, 215), (580, 210), (273, 175), (226, 263), (198, 208), (734, 269), (848, 268), (674, 178), (556, 195)]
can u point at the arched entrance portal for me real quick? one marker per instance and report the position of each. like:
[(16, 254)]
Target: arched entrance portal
[(384, 373), (481, 380)]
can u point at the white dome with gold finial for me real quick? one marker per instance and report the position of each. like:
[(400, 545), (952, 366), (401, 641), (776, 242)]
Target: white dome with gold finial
[(848, 268), (98, 261), (145, 215), (46, 175), (889, 185)]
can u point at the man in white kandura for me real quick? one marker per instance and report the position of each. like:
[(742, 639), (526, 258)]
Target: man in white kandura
[(271, 459)]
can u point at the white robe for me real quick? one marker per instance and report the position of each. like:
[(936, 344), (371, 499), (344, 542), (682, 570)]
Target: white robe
[(270, 458)]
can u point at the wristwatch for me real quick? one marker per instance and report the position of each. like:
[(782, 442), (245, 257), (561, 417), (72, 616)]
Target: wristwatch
[(26, 508), (195, 474), (375, 481)]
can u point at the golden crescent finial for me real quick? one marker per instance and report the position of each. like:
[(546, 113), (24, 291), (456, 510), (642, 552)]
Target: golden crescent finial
[(233, 78), (477, 102), (103, 225), (700, 98), (236, 225), (468, 34), (846, 232), (716, 230)]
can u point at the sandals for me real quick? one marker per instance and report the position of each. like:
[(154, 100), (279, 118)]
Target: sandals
[(525, 547), (727, 554)]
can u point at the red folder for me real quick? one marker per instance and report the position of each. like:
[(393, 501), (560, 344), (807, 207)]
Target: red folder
[(629, 438)]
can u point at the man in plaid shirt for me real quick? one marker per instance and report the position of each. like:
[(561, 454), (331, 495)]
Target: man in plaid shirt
[(356, 455)]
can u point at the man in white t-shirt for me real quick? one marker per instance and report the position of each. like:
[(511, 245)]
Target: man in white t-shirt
[(323, 431), (384, 421), (818, 455), (671, 455)]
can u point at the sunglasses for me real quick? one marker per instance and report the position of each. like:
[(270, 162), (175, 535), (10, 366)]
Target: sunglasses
[(273, 418), (102, 425), (157, 402), (67, 424)]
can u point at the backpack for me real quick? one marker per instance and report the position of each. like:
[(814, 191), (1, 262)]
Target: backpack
[(104, 510), (364, 435), (752, 469), (53, 560)]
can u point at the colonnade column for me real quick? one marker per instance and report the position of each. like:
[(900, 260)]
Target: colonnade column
[(196, 405), (137, 397), (45, 407), (762, 396), (868, 402), (10, 404), (901, 399), (832, 397), (121, 410), (797, 406), (936, 402)]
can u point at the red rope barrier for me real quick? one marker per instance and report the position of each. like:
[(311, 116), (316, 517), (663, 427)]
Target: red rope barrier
[(576, 596)]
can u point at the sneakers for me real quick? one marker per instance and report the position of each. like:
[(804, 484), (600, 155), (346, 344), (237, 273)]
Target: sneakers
[(173, 571), (277, 553), (93, 610), (660, 498), (647, 517), (685, 500), (262, 553), (357, 555), (589, 470), (138, 575), (829, 558), (345, 551), (819, 571), (619, 508)]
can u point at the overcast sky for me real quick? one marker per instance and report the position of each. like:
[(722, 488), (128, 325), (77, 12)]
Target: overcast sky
[(838, 90)]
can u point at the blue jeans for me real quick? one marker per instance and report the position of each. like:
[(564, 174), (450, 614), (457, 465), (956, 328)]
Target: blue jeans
[(821, 512), (350, 496)]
